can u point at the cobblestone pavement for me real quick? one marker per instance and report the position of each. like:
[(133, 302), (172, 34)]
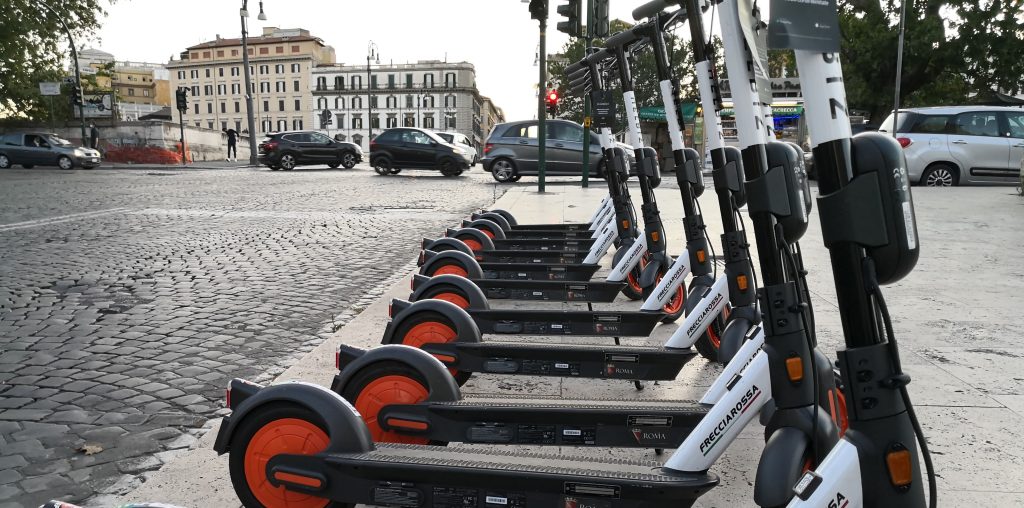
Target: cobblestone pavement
[(129, 298)]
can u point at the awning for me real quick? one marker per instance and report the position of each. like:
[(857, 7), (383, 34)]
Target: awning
[(657, 113)]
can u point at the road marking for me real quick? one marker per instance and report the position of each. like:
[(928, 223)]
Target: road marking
[(60, 218)]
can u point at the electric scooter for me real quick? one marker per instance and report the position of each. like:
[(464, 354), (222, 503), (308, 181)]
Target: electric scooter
[(868, 225)]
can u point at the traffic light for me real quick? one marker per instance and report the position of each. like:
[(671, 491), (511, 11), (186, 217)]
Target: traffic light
[(539, 9), (76, 95), (572, 12), (552, 102), (181, 99), (601, 21)]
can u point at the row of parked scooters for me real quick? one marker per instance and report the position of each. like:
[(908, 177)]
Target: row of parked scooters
[(840, 434)]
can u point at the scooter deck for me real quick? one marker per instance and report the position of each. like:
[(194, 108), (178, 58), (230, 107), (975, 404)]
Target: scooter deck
[(563, 360), (566, 322), (546, 290), (577, 226), (410, 475), (537, 271), (532, 420), (547, 234), (531, 256), (540, 244)]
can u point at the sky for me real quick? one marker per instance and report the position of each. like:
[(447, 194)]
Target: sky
[(496, 36)]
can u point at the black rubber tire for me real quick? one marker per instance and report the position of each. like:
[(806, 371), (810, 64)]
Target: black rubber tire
[(448, 167), (382, 165), (244, 433), (941, 174), (443, 288), (28, 166), (274, 167), (333, 165), (674, 316), (63, 161), (635, 293), (395, 171), (5, 161), (287, 162), (705, 345), (348, 160), (781, 466), (423, 317), (369, 373), (447, 262), (508, 172), (516, 178)]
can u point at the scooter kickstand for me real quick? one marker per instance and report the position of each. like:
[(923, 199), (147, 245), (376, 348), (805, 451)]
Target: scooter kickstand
[(638, 384), (617, 341)]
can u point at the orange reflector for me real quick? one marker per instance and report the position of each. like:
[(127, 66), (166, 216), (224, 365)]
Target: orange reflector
[(445, 358), (655, 236), (297, 479), (625, 224), (900, 468), (407, 424), (701, 256), (795, 369), (742, 282)]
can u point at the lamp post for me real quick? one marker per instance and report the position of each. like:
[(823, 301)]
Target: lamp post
[(372, 53), (244, 13), (74, 60)]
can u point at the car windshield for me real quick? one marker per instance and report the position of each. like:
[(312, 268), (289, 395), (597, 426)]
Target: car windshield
[(447, 137), (435, 137), (54, 140)]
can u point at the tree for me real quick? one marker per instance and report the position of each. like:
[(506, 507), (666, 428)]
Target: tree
[(645, 80), (952, 48), (33, 48)]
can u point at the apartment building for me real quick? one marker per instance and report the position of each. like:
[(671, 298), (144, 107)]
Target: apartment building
[(139, 87), (429, 93), (281, 62)]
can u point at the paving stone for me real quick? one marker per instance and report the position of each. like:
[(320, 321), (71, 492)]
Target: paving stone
[(44, 483)]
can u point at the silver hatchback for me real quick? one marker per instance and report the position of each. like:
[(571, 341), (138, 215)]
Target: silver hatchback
[(955, 145), (32, 149)]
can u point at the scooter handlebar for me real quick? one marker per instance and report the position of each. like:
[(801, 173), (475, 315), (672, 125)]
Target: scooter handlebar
[(598, 56), (573, 76), (576, 67), (651, 8), (623, 38)]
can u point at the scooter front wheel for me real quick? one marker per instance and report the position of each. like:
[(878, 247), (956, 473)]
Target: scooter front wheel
[(276, 429), (710, 342), (676, 307), (429, 328), (381, 384), (632, 290)]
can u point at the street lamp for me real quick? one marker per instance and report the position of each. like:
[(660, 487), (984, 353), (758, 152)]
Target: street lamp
[(372, 53), (244, 13), (78, 72)]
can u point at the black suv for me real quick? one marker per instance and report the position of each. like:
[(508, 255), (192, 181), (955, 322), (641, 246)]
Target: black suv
[(408, 148), (286, 150)]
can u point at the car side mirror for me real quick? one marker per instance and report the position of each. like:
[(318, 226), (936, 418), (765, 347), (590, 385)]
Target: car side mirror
[(433, 143)]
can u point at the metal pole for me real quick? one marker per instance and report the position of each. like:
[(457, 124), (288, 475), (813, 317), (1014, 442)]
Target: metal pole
[(248, 91), (899, 69), (541, 113), (74, 59), (181, 125), (586, 99)]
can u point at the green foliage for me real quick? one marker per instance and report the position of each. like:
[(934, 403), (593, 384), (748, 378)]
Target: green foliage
[(952, 48), (33, 48), (645, 78)]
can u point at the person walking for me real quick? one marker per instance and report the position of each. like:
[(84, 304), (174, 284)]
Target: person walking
[(232, 144), (94, 136)]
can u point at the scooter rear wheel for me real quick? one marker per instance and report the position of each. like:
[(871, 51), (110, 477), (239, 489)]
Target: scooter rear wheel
[(447, 293), (275, 429), (632, 290), (710, 341), (383, 383), (676, 307), (452, 268), (429, 328)]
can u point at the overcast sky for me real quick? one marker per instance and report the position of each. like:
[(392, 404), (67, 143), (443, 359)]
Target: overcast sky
[(497, 36)]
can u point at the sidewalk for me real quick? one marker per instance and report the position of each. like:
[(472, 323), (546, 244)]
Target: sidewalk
[(958, 356), (220, 164)]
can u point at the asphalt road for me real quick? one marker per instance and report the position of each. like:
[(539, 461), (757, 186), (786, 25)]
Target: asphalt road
[(128, 299)]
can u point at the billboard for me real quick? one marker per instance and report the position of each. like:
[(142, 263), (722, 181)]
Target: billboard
[(97, 105)]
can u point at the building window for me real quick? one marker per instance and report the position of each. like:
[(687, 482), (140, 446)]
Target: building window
[(207, 72), (449, 79), (265, 87), (391, 102), (391, 80), (196, 108), (357, 82), (238, 107), (428, 122), (449, 120), (222, 89), (208, 90), (279, 49), (238, 126), (282, 125), (194, 73), (449, 101), (131, 91), (295, 49), (321, 83), (357, 123), (408, 80), (264, 69), (220, 53), (321, 103), (373, 81), (264, 51), (296, 67), (194, 56), (339, 103), (408, 101), (296, 125), (341, 122), (339, 83), (266, 106), (410, 121), (298, 104), (209, 125), (428, 101), (224, 126), (195, 91), (428, 81), (373, 101), (223, 108), (375, 121), (197, 124), (206, 54), (357, 103), (234, 52), (281, 86), (181, 74), (265, 126), (279, 68), (220, 72), (391, 122), (280, 105), (234, 71), (145, 93), (236, 88)]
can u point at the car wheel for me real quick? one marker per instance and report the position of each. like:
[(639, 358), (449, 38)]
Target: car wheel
[(28, 166), (940, 175), (287, 162), (65, 162), (516, 178), (333, 165), (504, 170), (448, 168), (395, 171), (4, 162), (382, 165), (348, 160), (274, 167)]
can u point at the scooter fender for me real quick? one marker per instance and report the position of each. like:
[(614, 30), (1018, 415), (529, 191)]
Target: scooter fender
[(668, 284), (476, 297), (712, 301), (484, 224), (433, 260), (627, 261), (445, 244), (471, 234), (504, 213), (441, 385), (649, 275), (346, 428), (418, 280), (744, 357), (733, 338), (465, 328), (496, 218)]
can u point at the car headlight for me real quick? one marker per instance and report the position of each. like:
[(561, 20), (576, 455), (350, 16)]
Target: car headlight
[(459, 151), (79, 152)]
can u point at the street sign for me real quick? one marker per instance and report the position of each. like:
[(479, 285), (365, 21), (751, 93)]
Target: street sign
[(49, 87)]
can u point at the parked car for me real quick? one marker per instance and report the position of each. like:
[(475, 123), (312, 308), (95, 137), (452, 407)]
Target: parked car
[(32, 149), (287, 150), (461, 141), (511, 150), (953, 145), (411, 148)]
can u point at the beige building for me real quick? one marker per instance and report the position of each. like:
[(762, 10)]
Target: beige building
[(431, 94), (490, 115), (281, 62)]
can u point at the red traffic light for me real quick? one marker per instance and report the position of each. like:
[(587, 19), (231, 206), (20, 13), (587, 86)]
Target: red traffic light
[(553, 96)]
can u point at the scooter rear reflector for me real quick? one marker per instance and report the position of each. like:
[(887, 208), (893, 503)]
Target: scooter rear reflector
[(795, 369), (742, 283), (901, 470), (295, 479), (407, 424)]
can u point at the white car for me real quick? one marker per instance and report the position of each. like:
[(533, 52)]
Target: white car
[(461, 141), (952, 145)]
